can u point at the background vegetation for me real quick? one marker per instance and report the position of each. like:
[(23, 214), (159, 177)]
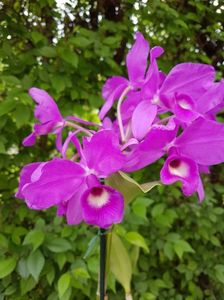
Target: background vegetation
[(70, 50)]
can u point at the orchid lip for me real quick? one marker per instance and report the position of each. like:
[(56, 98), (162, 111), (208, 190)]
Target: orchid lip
[(98, 197), (155, 99), (183, 104), (178, 168)]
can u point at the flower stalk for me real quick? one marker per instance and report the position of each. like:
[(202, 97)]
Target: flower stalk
[(103, 244), (119, 117)]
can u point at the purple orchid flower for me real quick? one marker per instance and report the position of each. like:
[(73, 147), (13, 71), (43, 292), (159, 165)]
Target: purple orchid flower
[(116, 85), (75, 187), (180, 168), (49, 116)]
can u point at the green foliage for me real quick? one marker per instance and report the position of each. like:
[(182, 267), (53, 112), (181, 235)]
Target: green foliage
[(70, 52)]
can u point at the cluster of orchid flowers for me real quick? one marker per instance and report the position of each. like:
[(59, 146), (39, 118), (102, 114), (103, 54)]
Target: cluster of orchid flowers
[(158, 115)]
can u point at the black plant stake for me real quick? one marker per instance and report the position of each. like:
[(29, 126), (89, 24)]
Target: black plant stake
[(102, 262)]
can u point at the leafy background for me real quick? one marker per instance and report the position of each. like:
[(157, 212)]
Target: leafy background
[(173, 245)]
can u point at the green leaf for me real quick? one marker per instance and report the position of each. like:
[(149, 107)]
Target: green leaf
[(120, 263), (7, 265), (80, 41), (7, 106), (80, 273), (2, 144), (50, 274), (35, 238), (22, 115), (35, 264), (60, 258), (63, 284), (3, 242), (140, 205), (158, 209), (70, 57), (168, 250), (27, 285), (137, 239), (22, 268), (48, 51), (129, 188), (182, 246), (219, 273), (91, 245), (37, 37), (58, 245)]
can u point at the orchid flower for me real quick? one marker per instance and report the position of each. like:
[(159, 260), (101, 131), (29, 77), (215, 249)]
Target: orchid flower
[(48, 114), (75, 187), (171, 116)]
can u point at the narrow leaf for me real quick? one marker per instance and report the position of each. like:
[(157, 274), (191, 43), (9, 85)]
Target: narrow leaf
[(120, 263)]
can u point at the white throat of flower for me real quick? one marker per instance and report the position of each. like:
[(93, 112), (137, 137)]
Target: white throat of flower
[(98, 201), (184, 104), (182, 170)]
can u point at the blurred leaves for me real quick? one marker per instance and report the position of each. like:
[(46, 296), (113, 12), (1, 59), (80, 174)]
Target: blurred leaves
[(70, 51)]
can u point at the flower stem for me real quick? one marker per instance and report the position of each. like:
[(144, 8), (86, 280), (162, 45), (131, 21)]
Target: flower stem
[(119, 118), (102, 262), (76, 126)]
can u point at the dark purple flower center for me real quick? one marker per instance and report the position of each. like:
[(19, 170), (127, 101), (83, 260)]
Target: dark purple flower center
[(175, 163), (97, 191)]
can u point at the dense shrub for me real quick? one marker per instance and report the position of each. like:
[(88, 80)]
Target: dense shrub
[(69, 51)]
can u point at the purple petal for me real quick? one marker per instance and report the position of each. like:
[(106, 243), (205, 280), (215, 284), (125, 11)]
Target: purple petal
[(44, 128), (47, 109), (57, 182), (203, 141), (128, 106), (102, 206), (102, 153), (25, 177), (111, 92), (212, 98), (153, 70), (136, 60), (184, 108), (74, 208), (142, 119), (151, 148), (30, 140), (188, 78), (58, 141), (81, 121), (179, 168), (200, 191), (71, 138)]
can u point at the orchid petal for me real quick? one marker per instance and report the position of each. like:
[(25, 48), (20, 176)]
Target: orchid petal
[(111, 92), (74, 207), (102, 153), (203, 141), (102, 206), (212, 98), (184, 108), (177, 168), (30, 140), (47, 109), (142, 119), (57, 183), (188, 78), (152, 147), (136, 60), (25, 177)]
